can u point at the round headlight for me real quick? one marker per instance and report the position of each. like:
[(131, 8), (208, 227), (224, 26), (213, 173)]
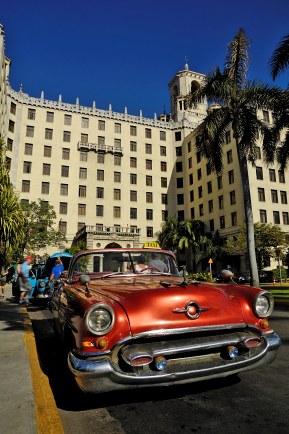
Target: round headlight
[(99, 319), (264, 305), (42, 284)]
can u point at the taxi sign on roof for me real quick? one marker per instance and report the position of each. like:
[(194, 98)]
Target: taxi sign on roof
[(151, 244)]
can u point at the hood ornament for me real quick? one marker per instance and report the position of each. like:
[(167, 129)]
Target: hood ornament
[(191, 309)]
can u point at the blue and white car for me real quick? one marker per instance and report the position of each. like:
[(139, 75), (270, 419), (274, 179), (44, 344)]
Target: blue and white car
[(44, 285)]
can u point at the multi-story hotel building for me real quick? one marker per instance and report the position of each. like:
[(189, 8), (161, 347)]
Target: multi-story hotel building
[(114, 177)]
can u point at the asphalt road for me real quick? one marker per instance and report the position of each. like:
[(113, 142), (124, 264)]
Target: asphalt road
[(253, 402)]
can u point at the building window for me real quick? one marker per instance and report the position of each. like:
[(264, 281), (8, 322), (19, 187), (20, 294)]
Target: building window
[(117, 128), (65, 171), (149, 180), (266, 116), (46, 169), (48, 133), (82, 191), (117, 160), (220, 182), (45, 187), (276, 218), (285, 217), (178, 136), (101, 140), (222, 222), (211, 205), (62, 226), (117, 143), (31, 114), (274, 196), (81, 209), (99, 192), (133, 178), (148, 148), (133, 130), (162, 135), (164, 199), (83, 156), (150, 231), (258, 153), (66, 136), (192, 196), (100, 158), (163, 166), (49, 116), (47, 151), (259, 172), (190, 162), (192, 212), (272, 175), (179, 166), (209, 187), (133, 195), (164, 182), (116, 194), (199, 173), (27, 165), (64, 189), (228, 137), (117, 177), (28, 149), (163, 151), (212, 226), (133, 213), (29, 131), (221, 202), (84, 122), (179, 151), (149, 197), (11, 126), (9, 144), (65, 153), (133, 162), (99, 210), (180, 183), (67, 119), (281, 176), (229, 157), (232, 197), (80, 225), (283, 196), (164, 215), (149, 214), (133, 146), (231, 176), (191, 179), (261, 194), (234, 218), (180, 199), (149, 164), (116, 211), (100, 175), (63, 208), (148, 133), (201, 210), (84, 138), (263, 216), (25, 186), (101, 125), (200, 191)]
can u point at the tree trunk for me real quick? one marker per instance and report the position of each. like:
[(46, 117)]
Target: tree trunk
[(249, 219)]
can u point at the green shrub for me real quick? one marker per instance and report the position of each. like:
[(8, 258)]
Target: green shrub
[(203, 277)]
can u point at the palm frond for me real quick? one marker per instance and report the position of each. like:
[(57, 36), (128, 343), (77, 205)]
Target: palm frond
[(280, 58), (237, 59)]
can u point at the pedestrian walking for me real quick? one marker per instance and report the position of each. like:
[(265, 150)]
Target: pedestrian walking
[(25, 287)]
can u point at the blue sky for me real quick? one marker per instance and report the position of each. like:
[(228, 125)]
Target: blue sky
[(125, 52)]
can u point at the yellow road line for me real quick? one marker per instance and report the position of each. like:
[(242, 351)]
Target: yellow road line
[(47, 417)]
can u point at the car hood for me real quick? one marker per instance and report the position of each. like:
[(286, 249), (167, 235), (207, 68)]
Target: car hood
[(156, 303)]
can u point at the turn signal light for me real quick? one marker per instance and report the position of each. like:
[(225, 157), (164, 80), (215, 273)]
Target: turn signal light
[(160, 363), (232, 351), (264, 324), (100, 343)]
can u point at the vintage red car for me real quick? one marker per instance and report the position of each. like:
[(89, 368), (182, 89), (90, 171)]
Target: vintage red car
[(129, 319)]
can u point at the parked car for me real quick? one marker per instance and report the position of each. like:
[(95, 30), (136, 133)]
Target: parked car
[(43, 285), (128, 319)]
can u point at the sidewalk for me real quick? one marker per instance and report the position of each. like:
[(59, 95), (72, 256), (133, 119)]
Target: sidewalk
[(17, 407)]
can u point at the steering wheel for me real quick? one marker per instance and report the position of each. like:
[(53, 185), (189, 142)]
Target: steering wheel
[(150, 268)]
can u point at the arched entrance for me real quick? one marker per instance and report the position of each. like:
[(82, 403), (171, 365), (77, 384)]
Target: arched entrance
[(112, 246)]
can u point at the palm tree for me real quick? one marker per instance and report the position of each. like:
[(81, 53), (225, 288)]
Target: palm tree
[(280, 58), (239, 101)]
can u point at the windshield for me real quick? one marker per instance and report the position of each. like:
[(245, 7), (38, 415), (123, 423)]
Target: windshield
[(111, 263)]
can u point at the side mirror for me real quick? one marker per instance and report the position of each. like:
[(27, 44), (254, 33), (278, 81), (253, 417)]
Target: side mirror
[(84, 280)]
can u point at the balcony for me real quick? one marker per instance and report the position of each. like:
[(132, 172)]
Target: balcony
[(96, 147)]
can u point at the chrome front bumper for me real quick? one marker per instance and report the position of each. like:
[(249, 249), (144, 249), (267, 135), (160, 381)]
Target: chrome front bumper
[(99, 373)]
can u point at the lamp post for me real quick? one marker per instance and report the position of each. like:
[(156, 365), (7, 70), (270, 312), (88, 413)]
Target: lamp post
[(278, 252)]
